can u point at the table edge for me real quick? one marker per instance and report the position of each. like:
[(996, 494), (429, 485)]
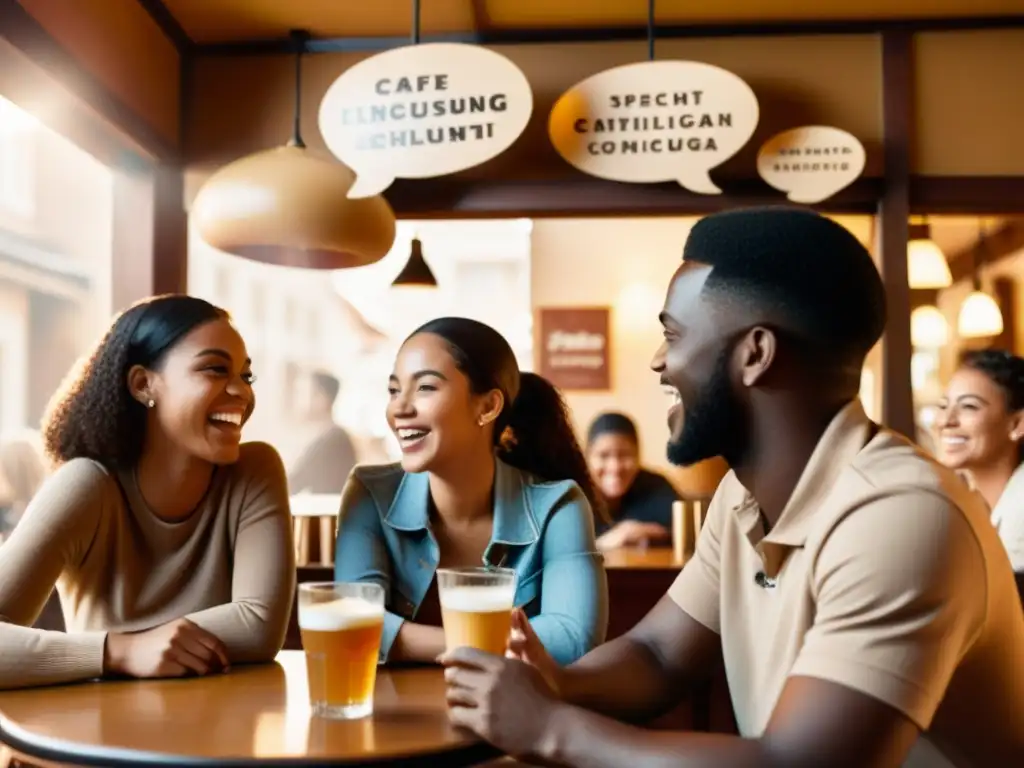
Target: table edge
[(59, 750)]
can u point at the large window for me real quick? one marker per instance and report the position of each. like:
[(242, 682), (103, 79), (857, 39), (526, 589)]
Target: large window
[(18, 131), (56, 217)]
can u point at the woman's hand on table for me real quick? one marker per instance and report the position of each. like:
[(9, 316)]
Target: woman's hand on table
[(632, 533), (175, 649)]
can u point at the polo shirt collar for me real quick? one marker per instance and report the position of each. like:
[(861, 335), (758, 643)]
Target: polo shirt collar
[(845, 436)]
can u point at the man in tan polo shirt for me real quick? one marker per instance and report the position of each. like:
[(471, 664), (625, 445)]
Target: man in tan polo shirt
[(865, 608)]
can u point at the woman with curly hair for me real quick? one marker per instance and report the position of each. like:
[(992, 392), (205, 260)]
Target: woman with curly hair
[(169, 541), (981, 433), (491, 474)]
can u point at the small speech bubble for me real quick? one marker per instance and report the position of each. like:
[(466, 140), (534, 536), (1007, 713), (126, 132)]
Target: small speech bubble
[(423, 110), (655, 121), (811, 163)]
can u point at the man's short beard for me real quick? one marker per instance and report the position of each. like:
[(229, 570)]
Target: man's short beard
[(714, 423)]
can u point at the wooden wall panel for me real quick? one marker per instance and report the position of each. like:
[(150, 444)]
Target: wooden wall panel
[(119, 43), (969, 103)]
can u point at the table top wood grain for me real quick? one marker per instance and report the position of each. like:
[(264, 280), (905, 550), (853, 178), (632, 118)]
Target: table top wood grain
[(252, 716)]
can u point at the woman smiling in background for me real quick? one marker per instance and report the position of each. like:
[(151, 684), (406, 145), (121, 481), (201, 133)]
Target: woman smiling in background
[(639, 501), (981, 426)]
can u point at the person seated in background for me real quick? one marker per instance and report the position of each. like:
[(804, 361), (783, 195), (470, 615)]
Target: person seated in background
[(169, 541), (980, 430), (22, 471), (325, 464), (864, 606), (491, 474), (639, 502)]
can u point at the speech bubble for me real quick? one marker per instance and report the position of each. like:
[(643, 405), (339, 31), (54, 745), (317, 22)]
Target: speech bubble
[(423, 110), (655, 121), (811, 163)]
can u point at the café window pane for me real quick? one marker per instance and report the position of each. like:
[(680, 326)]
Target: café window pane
[(17, 160)]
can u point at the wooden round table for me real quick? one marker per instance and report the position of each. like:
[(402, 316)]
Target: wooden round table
[(253, 716)]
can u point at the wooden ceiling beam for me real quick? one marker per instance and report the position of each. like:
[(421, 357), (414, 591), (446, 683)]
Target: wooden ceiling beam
[(127, 131), (999, 244), (590, 196), (606, 34), (169, 25)]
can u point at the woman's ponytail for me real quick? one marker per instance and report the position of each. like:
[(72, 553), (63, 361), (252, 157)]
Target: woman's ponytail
[(535, 434)]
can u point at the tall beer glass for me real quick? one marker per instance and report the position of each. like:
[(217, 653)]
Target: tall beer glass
[(476, 607), (341, 625)]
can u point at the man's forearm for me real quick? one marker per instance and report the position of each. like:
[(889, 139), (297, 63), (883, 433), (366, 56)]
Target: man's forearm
[(579, 739), (623, 679)]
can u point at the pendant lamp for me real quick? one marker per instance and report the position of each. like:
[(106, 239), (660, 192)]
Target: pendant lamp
[(980, 316), (926, 263), (928, 328), (416, 272), (289, 206)]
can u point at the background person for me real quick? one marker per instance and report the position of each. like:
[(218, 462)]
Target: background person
[(980, 428), (639, 501)]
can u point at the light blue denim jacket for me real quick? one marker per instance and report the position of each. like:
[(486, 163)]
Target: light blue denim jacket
[(543, 530)]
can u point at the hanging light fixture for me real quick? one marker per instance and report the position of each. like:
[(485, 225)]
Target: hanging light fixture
[(980, 316), (928, 328), (289, 206), (416, 272), (927, 266)]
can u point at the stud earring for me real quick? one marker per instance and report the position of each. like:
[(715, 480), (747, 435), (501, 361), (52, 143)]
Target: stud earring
[(151, 403)]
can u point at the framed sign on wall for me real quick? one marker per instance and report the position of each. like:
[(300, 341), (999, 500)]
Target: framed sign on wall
[(574, 347)]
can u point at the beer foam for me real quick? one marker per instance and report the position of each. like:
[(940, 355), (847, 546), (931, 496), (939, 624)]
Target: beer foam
[(345, 613), (478, 599)]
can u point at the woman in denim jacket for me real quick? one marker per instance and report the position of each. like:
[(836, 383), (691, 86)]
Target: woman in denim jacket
[(491, 474)]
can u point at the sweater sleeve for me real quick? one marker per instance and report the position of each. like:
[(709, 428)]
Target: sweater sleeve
[(58, 527), (254, 623)]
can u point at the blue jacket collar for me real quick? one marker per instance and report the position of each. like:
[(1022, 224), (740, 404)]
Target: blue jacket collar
[(514, 521)]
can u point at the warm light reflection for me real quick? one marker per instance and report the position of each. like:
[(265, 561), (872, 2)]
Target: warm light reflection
[(14, 119), (637, 306), (928, 328), (979, 317), (927, 266)]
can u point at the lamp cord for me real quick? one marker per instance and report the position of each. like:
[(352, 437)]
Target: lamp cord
[(299, 39), (650, 30)]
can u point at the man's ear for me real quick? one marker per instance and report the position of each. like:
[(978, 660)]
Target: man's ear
[(757, 351)]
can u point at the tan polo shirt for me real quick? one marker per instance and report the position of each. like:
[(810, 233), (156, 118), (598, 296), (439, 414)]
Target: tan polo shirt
[(883, 574)]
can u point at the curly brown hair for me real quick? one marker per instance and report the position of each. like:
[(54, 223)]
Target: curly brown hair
[(93, 414)]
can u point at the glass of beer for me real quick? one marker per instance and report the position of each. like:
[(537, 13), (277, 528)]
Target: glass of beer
[(476, 607), (341, 625)]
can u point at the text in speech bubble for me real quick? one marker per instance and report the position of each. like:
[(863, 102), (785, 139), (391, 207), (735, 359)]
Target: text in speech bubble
[(655, 121), (811, 163), (422, 111)]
